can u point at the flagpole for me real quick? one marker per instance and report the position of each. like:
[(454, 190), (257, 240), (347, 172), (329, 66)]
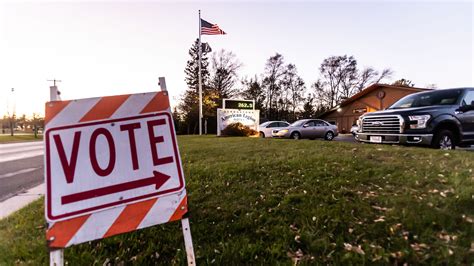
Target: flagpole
[(199, 77)]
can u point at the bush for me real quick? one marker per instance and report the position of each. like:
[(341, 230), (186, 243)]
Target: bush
[(238, 130)]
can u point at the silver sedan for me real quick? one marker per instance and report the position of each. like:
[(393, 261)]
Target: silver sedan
[(308, 129)]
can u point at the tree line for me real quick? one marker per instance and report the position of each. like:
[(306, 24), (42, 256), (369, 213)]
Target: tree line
[(279, 92), (11, 124)]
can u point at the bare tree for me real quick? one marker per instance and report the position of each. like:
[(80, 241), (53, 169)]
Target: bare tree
[(369, 76), (322, 97), (224, 67), (294, 87), (366, 76), (386, 73), (274, 71), (338, 78)]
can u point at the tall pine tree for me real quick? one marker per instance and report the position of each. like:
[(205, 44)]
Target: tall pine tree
[(189, 105)]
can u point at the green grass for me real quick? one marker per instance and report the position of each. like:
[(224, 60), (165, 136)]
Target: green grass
[(19, 138), (266, 202)]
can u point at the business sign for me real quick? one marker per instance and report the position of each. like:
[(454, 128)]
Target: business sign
[(238, 104), (359, 110), (107, 162), (225, 117)]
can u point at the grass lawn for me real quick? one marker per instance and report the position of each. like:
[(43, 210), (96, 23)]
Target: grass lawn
[(4, 138), (266, 202)]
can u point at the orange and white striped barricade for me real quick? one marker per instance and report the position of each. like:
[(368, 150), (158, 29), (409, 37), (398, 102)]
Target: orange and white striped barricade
[(112, 166)]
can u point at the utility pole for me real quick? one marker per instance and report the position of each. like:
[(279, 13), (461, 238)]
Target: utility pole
[(54, 93)]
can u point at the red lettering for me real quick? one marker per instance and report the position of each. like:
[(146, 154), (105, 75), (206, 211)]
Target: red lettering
[(157, 139), (69, 168), (93, 154), (133, 146)]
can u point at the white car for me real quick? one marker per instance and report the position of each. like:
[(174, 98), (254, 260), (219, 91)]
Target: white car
[(354, 130), (266, 129)]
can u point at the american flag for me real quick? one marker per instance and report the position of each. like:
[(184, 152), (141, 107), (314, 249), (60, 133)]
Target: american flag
[(210, 29)]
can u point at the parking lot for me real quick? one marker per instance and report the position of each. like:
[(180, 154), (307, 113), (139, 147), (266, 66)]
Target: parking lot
[(350, 138)]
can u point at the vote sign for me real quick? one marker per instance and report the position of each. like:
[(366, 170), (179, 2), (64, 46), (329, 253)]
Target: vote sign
[(108, 163)]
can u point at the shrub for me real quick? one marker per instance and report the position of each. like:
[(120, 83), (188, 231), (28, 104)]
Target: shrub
[(238, 130)]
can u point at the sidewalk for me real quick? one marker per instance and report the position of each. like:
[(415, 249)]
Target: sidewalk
[(19, 201)]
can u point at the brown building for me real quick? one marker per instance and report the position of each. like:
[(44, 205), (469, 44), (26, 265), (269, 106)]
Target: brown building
[(373, 98)]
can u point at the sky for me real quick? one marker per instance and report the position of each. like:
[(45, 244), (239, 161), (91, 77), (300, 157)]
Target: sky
[(110, 48)]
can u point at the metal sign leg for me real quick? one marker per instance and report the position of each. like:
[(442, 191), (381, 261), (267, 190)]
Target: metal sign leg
[(56, 257), (188, 241)]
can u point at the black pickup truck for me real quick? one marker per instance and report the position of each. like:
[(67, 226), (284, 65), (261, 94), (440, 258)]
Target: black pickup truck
[(441, 119)]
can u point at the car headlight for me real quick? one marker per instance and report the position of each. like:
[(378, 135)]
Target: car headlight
[(421, 121)]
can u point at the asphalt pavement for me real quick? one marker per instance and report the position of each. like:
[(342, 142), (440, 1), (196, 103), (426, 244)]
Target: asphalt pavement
[(350, 138), (345, 138), (21, 168)]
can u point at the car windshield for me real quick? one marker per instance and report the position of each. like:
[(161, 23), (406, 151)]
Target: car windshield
[(298, 123), (440, 97)]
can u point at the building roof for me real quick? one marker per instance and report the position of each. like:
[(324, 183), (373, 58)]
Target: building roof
[(368, 90)]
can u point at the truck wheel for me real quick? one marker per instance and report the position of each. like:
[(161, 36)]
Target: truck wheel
[(444, 140), (329, 136), (295, 135)]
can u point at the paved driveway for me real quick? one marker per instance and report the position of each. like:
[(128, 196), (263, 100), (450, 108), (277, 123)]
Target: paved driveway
[(350, 138), (345, 138)]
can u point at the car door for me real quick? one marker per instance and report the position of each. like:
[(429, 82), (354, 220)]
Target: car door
[(467, 117), (307, 130), (280, 126), (320, 129), (269, 129), (283, 124)]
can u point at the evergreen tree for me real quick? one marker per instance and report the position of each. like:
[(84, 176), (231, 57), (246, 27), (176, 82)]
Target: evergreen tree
[(308, 107), (253, 90), (192, 67), (189, 105), (403, 83)]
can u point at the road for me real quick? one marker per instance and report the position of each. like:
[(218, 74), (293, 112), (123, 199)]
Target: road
[(21, 167)]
